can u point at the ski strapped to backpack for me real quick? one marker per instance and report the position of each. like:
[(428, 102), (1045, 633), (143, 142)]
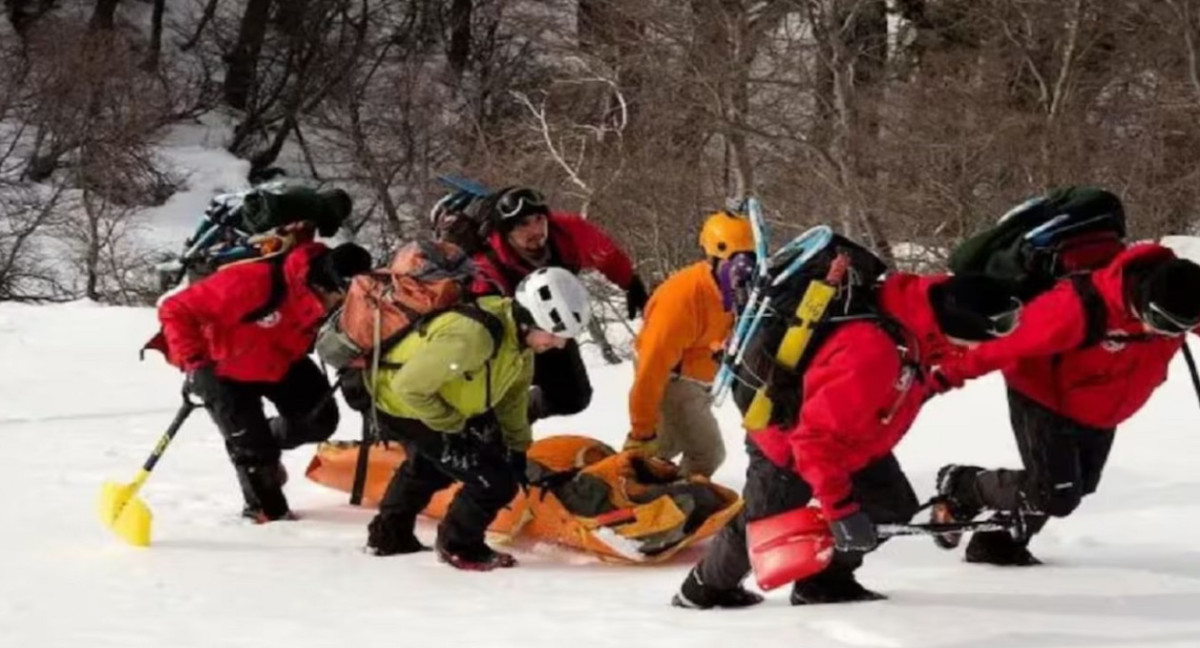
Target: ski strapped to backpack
[(266, 220), (797, 252)]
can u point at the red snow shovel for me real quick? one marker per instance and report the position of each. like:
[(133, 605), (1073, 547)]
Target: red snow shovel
[(790, 546), (120, 507), (797, 544)]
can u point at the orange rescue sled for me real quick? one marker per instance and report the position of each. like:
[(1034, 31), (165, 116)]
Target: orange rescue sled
[(618, 506)]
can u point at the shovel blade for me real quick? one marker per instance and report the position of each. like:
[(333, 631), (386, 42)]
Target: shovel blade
[(126, 514), (789, 547)]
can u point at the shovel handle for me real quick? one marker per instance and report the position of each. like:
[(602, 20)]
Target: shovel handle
[(185, 410)]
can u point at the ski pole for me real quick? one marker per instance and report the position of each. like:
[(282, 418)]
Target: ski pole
[(1191, 363), (896, 530)]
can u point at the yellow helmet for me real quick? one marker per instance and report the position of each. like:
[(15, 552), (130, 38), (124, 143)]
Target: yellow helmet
[(725, 234)]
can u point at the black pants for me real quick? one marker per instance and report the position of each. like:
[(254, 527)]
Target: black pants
[(881, 489), (561, 383), (1062, 460), (488, 484), (307, 414)]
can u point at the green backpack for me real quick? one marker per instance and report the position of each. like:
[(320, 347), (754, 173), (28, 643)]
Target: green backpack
[(1070, 230)]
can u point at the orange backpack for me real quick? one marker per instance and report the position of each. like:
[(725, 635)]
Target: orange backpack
[(425, 278)]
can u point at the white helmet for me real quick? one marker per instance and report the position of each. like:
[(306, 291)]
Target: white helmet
[(556, 300)]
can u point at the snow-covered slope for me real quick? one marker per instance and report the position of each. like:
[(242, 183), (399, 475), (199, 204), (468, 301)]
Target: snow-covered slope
[(76, 408)]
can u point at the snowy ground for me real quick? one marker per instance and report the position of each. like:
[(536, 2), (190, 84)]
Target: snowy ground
[(76, 408)]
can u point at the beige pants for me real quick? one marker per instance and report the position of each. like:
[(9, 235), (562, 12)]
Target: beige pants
[(688, 427)]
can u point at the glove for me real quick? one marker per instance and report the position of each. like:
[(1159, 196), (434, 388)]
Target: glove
[(204, 383), (484, 428), (636, 297), (459, 452), (855, 532), (645, 447), (355, 392), (518, 464)]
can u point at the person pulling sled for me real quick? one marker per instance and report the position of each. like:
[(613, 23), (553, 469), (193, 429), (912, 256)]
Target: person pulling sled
[(244, 334), (831, 381), (455, 392), (1092, 347)]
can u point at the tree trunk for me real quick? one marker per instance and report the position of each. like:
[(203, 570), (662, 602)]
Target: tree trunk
[(242, 62), (104, 15), (210, 10), (156, 29), (459, 54)]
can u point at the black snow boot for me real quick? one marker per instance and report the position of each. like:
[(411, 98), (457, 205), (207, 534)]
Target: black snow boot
[(262, 488), (831, 586), (476, 558), (390, 535), (695, 595), (999, 548), (949, 505)]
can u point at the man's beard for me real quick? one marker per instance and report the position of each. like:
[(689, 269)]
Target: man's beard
[(538, 256)]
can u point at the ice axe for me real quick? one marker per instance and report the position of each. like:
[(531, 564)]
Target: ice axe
[(120, 508), (797, 544)]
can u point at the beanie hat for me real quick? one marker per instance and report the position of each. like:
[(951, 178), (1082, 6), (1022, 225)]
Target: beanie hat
[(1168, 297), (333, 270), (974, 307)]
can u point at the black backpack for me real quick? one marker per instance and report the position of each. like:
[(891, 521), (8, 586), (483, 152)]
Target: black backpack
[(761, 371), (1067, 232), (461, 216)]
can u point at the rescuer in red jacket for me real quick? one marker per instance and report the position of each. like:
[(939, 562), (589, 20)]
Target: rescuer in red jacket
[(860, 393), (244, 334), (526, 236), (1072, 377)]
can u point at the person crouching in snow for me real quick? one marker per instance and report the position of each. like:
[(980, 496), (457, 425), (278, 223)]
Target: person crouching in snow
[(859, 394), (243, 334), (686, 322), (1072, 377), (459, 405)]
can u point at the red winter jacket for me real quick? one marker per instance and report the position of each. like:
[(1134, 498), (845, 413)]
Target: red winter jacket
[(575, 244), (860, 395), (204, 322), (1099, 386)]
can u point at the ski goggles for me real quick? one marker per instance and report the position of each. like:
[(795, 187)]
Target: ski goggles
[(519, 202), (1164, 323), (1005, 323)]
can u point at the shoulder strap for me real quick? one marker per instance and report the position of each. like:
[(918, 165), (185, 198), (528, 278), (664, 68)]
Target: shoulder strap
[(276, 296), (1095, 312), (493, 324)]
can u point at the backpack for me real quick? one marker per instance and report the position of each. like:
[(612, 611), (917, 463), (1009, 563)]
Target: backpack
[(836, 285), (265, 221), (1067, 232), (461, 217), (425, 279)]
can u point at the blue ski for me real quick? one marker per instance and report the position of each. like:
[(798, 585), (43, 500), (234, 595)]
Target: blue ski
[(804, 247), (465, 185)]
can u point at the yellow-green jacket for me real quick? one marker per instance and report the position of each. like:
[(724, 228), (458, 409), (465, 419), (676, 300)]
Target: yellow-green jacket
[(439, 375)]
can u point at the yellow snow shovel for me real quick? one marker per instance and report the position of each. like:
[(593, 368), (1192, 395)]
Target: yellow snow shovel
[(120, 508)]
